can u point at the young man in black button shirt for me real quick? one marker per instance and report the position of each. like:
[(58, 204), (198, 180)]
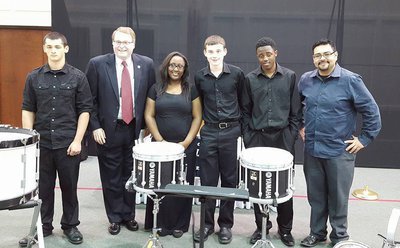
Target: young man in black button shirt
[(219, 85), (270, 119), (57, 102)]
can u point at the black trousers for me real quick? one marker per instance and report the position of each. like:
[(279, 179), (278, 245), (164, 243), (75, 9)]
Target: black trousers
[(278, 138), (218, 158), (53, 163), (116, 165)]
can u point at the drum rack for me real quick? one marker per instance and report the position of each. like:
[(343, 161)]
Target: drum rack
[(36, 233), (264, 242)]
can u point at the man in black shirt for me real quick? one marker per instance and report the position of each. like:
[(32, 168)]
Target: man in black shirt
[(271, 115), (57, 102), (219, 85)]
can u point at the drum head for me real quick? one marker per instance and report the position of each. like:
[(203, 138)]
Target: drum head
[(158, 151), (350, 244), (258, 158)]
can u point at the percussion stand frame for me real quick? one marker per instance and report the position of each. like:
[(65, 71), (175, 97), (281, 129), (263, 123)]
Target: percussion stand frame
[(153, 240), (36, 224), (263, 242)]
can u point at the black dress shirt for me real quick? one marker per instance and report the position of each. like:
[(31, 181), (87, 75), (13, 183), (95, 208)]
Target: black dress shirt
[(57, 98), (221, 96), (271, 103)]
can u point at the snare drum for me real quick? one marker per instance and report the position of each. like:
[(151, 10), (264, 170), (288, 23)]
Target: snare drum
[(157, 164), (350, 244), (267, 174), (19, 153)]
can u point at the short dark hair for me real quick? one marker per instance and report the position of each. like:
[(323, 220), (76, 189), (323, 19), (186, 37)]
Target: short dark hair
[(162, 86), (55, 36), (324, 41), (266, 41)]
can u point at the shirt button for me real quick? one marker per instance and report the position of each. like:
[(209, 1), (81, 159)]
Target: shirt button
[(52, 119), (54, 86), (54, 109), (55, 75), (54, 97), (52, 130)]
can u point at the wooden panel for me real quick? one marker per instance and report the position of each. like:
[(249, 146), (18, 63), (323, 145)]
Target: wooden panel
[(20, 52)]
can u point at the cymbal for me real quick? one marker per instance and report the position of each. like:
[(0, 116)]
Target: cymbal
[(365, 194)]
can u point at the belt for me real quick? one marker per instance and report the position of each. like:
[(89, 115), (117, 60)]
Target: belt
[(223, 125)]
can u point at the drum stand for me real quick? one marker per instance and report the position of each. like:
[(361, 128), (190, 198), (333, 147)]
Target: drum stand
[(263, 242), (153, 241), (36, 224)]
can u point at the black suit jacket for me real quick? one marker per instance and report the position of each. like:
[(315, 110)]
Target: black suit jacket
[(102, 76)]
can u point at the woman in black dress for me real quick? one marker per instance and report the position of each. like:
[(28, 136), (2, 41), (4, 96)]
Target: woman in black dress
[(173, 114)]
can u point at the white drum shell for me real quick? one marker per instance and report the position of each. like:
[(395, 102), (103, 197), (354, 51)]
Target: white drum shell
[(158, 151)]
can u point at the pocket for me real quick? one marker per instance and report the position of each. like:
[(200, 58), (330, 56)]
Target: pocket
[(42, 89), (67, 90)]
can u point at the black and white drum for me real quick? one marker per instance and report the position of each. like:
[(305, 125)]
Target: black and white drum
[(19, 154), (156, 164), (350, 244), (267, 173)]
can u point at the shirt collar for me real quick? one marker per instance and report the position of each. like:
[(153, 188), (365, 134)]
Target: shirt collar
[(47, 68), (118, 61), (225, 69), (278, 70), (336, 72)]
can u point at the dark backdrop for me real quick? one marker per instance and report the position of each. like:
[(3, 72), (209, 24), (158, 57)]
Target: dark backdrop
[(367, 32)]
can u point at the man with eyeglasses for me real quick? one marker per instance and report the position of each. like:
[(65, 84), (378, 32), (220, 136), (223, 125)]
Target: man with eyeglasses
[(332, 97), (119, 83)]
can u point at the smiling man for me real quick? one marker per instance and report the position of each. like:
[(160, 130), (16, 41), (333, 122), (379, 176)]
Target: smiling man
[(271, 117), (57, 103), (119, 82), (220, 86), (332, 97)]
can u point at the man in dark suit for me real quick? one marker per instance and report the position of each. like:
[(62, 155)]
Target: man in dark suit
[(119, 84)]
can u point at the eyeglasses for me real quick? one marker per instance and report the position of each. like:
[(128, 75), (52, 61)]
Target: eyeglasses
[(125, 43), (173, 66), (325, 55)]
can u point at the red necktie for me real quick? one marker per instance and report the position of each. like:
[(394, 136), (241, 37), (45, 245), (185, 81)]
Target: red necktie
[(126, 95)]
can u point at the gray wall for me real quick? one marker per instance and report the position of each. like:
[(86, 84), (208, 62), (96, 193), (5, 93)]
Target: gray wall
[(371, 38)]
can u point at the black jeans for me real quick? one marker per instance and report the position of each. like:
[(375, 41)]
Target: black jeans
[(53, 163)]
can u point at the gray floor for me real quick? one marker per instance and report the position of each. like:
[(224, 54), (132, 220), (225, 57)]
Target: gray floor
[(366, 218)]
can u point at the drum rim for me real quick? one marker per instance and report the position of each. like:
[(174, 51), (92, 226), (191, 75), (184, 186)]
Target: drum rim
[(271, 200), (13, 202), (284, 165), (19, 142), (351, 242), (156, 157)]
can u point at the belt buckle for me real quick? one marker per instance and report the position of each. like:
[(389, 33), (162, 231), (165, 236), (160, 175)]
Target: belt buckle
[(222, 125)]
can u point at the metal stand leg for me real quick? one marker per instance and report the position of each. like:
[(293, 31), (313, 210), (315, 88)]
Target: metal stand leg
[(263, 242), (153, 241)]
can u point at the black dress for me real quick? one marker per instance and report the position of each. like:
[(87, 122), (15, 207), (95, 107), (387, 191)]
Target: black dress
[(174, 119)]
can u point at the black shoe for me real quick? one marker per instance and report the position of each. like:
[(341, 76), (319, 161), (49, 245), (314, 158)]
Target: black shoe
[(207, 232), (114, 228), (177, 233), (286, 238), (24, 241), (257, 235), (311, 241), (131, 225), (74, 235), (225, 235)]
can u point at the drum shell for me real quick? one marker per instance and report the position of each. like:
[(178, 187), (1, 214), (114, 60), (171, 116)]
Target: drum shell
[(18, 175), (148, 172), (267, 173)]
